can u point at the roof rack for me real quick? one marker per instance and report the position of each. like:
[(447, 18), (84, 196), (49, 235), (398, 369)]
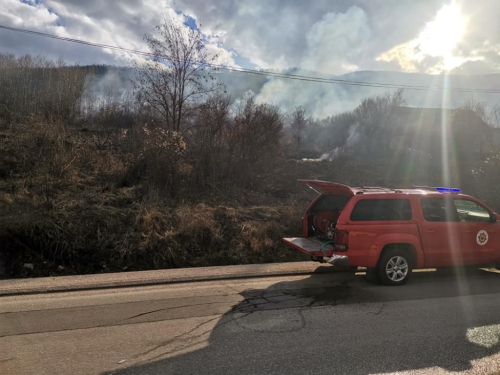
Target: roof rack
[(438, 189), (374, 188)]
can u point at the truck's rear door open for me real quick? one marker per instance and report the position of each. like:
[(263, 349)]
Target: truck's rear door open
[(328, 187)]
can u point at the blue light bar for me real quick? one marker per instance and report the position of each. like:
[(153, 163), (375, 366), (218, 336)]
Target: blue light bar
[(451, 190)]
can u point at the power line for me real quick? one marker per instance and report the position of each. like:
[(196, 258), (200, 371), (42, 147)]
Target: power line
[(262, 72)]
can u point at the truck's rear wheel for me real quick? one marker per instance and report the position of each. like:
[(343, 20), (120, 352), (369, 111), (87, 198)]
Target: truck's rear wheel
[(394, 267)]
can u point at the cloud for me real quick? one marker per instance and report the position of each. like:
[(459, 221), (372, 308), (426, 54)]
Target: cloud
[(122, 24), (323, 37), (273, 34), (433, 50), (19, 13), (333, 44), (459, 38), (260, 33)]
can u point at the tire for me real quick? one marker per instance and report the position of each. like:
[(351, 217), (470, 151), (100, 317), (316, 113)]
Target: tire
[(394, 267), (371, 276)]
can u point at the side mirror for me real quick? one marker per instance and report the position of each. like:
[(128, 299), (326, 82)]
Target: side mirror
[(493, 217)]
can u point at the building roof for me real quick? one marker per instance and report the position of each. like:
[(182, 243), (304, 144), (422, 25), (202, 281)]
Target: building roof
[(431, 119)]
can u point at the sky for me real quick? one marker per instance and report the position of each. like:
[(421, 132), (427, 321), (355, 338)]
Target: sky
[(321, 37)]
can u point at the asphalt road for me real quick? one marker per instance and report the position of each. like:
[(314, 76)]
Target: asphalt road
[(316, 324)]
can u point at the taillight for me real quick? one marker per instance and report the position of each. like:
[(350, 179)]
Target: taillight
[(340, 240)]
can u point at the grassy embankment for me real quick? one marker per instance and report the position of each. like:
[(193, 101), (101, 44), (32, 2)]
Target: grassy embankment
[(72, 202)]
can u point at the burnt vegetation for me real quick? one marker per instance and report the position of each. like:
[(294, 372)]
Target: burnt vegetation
[(109, 169)]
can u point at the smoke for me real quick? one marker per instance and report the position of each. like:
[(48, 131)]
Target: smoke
[(320, 100), (333, 44), (107, 87), (352, 140), (332, 155)]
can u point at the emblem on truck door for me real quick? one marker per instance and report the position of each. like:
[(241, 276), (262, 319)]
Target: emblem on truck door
[(482, 237)]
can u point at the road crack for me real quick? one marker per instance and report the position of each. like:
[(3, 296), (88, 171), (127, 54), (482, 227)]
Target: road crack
[(186, 342), (159, 310), (382, 306)]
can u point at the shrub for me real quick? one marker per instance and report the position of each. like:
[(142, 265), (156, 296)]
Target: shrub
[(157, 161)]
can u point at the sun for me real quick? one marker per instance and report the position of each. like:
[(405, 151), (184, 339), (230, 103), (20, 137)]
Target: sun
[(438, 39), (440, 36)]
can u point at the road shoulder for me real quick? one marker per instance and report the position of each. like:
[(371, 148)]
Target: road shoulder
[(158, 277)]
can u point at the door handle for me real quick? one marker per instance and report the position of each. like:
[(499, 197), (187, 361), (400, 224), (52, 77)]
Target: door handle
[(430, 230)]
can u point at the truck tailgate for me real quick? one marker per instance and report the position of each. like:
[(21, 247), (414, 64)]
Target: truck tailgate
[(311, 246)]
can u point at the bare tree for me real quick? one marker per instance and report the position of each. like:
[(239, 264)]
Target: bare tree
[(479, 108), (495, 116), (206, 138), (36, 87), (253, 141), (298, 123), (376, 117), (179, 74)]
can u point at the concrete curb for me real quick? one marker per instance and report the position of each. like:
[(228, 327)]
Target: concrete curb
[(147, 278)]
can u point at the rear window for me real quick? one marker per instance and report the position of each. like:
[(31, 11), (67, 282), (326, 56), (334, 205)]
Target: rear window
[(381, 209)]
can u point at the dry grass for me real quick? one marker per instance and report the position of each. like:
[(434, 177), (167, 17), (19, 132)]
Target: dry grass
[(64, 212), (112, 233), (65, 209)]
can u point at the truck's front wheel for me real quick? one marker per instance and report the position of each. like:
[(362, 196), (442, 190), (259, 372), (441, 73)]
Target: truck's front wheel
[(394, 267)]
